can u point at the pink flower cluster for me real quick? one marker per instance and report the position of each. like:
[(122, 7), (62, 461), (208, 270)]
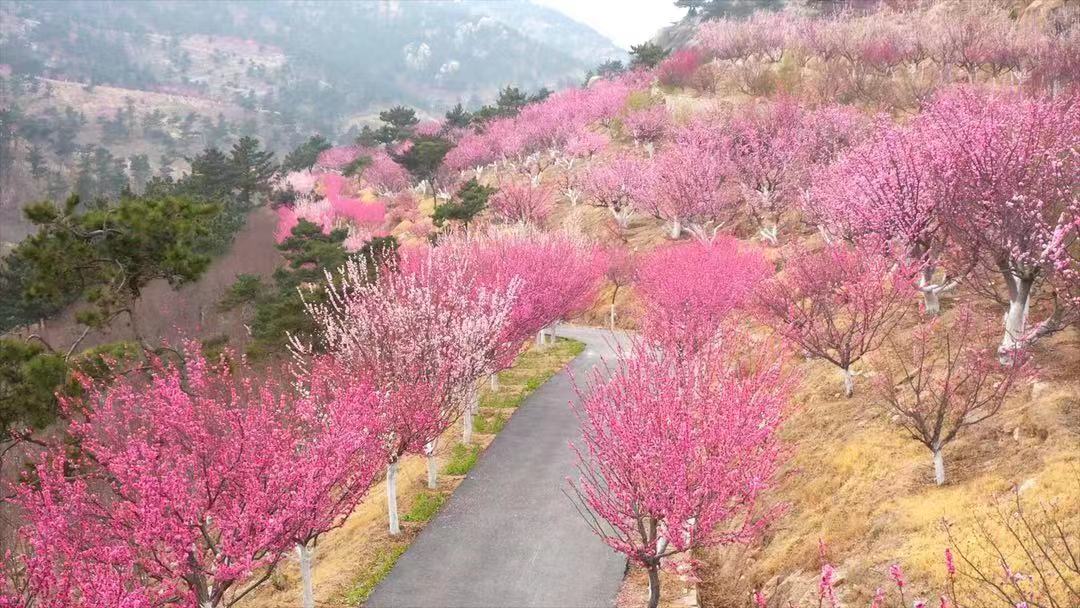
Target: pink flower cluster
[(547, 124), (976, 37)]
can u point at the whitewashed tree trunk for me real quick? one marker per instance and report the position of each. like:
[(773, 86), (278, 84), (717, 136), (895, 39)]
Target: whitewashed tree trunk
[(611, 316), (493, 382), (931, 300), (1016, 317), (540, 338), (466, 425), (572, 195), (939, 466), (622, 217), (650, 148), (770, 234), (553, 332), (391, 497), (676, 228), (307, 592), (432, 466), (849, 382)]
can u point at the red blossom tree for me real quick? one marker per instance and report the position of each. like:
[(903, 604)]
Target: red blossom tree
[(677, 69), (191, 485), (946, 378), (687, 291), (676, 452), (837, 304)]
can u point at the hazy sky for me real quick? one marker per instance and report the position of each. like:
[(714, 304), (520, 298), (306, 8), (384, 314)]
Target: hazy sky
[(625, 22)]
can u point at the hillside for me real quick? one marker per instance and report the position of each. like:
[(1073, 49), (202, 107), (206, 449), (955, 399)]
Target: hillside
[(190, 78), (788, 209)]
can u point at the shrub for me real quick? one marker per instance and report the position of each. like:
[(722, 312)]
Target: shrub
[(677, 70)]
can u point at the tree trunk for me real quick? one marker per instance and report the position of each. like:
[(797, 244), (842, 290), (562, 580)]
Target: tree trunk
[(939, 466), (307, 594), (540, 338), (676, 228), (493, 381), (553, 332), (931, 300), (654, 586), (849, 381), (611, 316), (391, 497), (1016, 318), (770, 234), (432, 468), (466, 425)]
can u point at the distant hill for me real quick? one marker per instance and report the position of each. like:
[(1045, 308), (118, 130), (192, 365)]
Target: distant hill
[(153, 83), (312, 61)]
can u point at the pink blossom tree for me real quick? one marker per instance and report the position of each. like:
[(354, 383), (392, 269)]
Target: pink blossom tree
[(886, 191), (775, 147), (385, 175), (768, 152), (472, 153), (426, 335), (688, 179), (945, 379), (676, 452), (558, 276), (620, 272), (837, 304), (689, 290), (620, 184), (648, 126), (338, 157), (517, 202), (583, 145), (1011, 166), (192, 485)]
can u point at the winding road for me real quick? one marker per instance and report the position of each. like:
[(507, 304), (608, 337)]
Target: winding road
[(509, 536)]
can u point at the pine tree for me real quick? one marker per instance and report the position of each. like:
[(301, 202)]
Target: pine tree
[(253, 169)]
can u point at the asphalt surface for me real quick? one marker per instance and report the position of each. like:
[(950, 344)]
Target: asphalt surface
[(509, 536)]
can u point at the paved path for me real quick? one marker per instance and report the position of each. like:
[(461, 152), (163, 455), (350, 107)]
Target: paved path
[(508, 536)]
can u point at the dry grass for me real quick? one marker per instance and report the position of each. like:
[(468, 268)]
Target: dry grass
[(855, 481), (675, 591), (349, 561)]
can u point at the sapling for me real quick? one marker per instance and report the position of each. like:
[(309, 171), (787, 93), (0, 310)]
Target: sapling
[(838, 304), (946, 378)]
